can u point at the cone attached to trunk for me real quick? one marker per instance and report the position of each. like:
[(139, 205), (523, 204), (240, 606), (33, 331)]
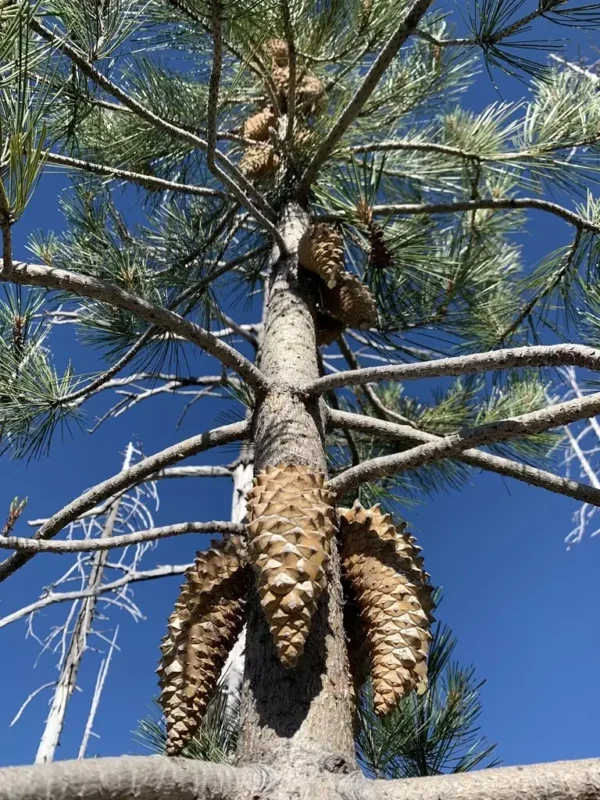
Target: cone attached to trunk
[(351, 302), (257, 126), (290, 525), (321, 250), (207, 619), (258, 162), (384, 569)]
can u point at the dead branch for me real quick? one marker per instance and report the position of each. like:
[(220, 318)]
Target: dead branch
[(127, 539), (142, 470)]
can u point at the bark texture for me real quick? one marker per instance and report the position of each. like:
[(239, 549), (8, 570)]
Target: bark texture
[(298, 720), (160, 778)]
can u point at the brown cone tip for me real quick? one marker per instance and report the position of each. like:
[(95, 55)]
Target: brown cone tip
[(257, 126), (207, 619), (351, 302), (290, 526), (385, 571), (321, 250), (259, 162)]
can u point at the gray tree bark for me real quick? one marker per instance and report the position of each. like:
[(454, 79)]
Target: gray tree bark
[(298, 721)]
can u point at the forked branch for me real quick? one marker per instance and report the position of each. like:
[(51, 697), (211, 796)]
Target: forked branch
[(534, 476), (450, 446)]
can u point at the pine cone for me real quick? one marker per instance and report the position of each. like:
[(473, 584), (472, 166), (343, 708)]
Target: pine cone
[(290, 528), (259, 162), (208, 616), (281, 79), (351, 302), (278, 50), (382, 564), (327, 329), (310, 92), (257, 126), (321, 250), (379, 255)]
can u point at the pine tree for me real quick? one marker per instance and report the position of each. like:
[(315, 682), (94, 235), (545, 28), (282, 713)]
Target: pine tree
[(313, 156)]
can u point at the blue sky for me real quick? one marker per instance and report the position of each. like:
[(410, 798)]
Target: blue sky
[(524, 608)]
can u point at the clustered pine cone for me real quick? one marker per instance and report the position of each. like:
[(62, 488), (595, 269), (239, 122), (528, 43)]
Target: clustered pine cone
[(351, 302), (208, 617), (289, 532), (257, 126), (259, 162), (321, 250), (394, 599)]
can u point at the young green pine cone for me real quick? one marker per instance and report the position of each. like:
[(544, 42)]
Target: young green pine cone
[(383, 566), (257, 126), (321, 250), (258, 162), (208, 617), (290, 525), (351, 302)]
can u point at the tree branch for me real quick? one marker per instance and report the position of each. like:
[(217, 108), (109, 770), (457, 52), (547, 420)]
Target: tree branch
[(576, 355), (364, 91), (449, 446), (92, 545), (123, 480), (86, 286), (160, 778), (147, 181), (132, 778), (474, 458), (52, 597), (246, 193), (560, 780)]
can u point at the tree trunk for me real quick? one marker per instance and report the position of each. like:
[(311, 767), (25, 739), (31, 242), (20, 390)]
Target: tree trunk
[(298, 720)]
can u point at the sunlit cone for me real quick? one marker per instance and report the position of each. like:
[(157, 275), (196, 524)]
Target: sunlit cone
[(281, 79), (257, 126), (258, 162), (327, 329), (310, 93), (351, 302), (321, 250), (385, 571), (208, 617), (278, 50), (289, 533)]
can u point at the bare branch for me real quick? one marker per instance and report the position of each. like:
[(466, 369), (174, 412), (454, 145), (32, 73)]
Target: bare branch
[(449, 446), (161, 778), (559, 355), (147, 181), (193, 472), (92, 545), (364, 91), (86, 286), (474, 458), (133, 778), (123, 480), (98, 689), (132, 576)]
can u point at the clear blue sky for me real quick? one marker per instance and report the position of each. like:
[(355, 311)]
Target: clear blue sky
[(525, 610)]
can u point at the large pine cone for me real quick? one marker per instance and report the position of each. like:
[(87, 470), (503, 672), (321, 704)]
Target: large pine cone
[(321, 250), (383, 566), (278, 50), (289, 533), (351, 302), (207, 619)]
